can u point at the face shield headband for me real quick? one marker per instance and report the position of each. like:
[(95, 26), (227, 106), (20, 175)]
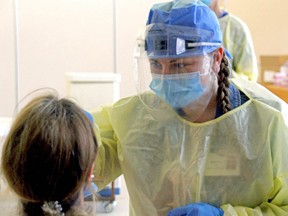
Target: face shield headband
[(170, 41)]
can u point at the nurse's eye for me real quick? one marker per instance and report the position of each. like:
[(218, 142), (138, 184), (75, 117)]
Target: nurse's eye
[(155, 64), (180, 67), (155, 67)]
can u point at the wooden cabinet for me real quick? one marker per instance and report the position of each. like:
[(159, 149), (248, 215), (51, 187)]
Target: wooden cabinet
[(280, 91)]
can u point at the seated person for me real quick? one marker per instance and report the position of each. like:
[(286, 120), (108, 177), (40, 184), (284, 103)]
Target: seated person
[(48, 155)]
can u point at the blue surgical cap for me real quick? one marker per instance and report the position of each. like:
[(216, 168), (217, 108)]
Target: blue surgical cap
[(182, 28)]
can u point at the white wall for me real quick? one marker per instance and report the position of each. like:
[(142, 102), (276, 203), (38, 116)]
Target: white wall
[(60, 36), (7, 66), (55, 37), (267, 21)]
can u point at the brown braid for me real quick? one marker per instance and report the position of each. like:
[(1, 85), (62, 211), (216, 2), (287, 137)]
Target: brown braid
[(223, 85)]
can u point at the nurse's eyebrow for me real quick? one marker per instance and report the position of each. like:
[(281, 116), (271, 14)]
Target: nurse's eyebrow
[(175, 60)]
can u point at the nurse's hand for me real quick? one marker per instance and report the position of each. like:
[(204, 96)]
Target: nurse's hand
[(196, 209)]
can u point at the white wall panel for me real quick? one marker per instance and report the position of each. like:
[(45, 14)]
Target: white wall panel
[(61, 36)]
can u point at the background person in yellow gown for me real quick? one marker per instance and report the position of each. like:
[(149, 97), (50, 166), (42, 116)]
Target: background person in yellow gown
[(238, 41)]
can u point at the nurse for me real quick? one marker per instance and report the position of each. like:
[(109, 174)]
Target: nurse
[(193, 142)]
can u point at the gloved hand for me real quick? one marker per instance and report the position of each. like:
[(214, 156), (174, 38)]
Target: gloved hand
[(196, 209)]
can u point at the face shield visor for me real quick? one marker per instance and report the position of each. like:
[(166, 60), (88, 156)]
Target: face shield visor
[(174, 68)]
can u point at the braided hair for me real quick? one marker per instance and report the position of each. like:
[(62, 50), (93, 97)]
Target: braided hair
[(223, 85)]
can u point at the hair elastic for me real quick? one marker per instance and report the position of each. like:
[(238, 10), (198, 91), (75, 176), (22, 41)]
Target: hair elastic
[(55, 206)]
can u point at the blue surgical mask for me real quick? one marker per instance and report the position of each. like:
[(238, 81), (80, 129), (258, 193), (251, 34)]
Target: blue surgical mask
[(178, 90), (207, 2)]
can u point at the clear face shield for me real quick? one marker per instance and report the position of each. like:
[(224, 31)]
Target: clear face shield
[(174, 70)]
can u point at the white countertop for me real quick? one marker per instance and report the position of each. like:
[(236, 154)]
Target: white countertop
[(5, 124)]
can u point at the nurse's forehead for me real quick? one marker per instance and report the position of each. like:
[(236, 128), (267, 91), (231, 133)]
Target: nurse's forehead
[(171, 60)]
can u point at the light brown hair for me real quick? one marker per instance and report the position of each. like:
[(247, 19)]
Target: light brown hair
[(48, 153)]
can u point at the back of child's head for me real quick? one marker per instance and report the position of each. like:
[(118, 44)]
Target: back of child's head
[(48, 154)]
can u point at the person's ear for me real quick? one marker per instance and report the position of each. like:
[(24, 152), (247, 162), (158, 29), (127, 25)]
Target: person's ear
[(217, 59), (90, 173)]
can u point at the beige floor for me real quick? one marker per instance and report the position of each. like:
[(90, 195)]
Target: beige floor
[(121, 207)]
